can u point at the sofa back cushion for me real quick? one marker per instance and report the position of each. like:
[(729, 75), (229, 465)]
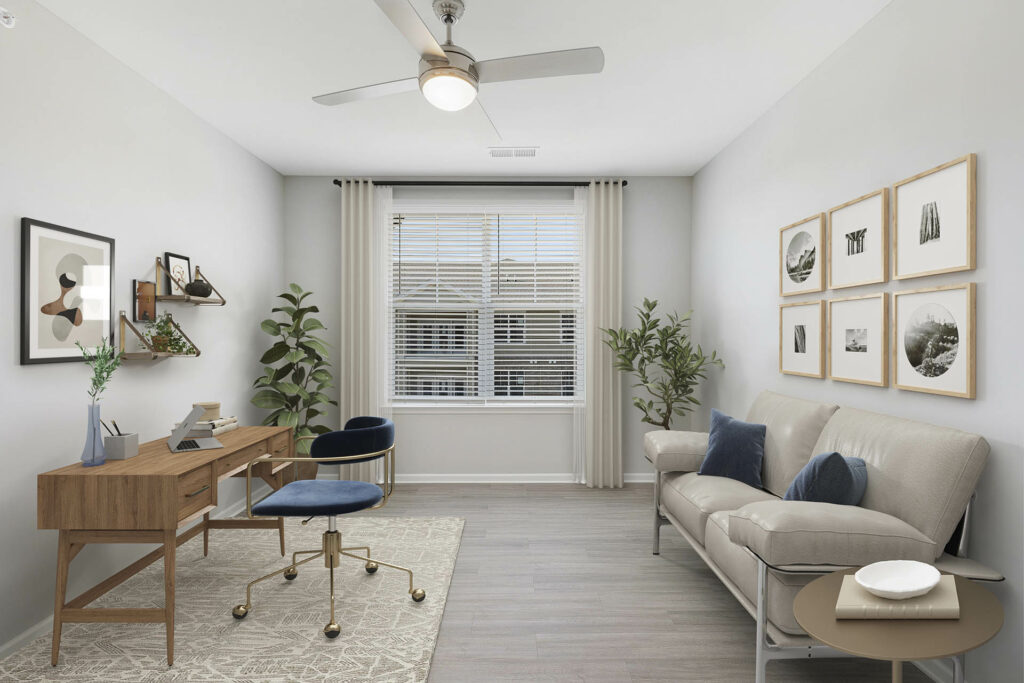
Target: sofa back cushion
[(923, 474), (793, 426)]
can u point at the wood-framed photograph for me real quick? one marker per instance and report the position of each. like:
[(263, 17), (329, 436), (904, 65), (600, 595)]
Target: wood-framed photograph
[(801, 256), (802, 339), (858, 339), (143, 301), (934, 220), (179, 269), (67, 292), (858, 241), (933, 343)]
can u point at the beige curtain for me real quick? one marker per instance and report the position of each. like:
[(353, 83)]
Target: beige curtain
[(363, 346), (602, 425)]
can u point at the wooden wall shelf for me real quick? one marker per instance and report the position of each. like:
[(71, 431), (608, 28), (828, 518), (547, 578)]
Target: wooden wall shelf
[(218, 300), (148, 352)]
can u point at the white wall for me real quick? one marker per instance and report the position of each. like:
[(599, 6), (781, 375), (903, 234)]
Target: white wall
[(924, 82), (88, 144), (492, 445)]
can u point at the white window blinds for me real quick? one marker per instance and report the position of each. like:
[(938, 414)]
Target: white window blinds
[(487, 305)]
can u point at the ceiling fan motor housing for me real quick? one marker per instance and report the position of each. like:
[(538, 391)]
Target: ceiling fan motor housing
[(460, 62)]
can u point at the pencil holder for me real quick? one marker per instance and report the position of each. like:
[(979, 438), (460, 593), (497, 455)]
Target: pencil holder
[(121, 447)]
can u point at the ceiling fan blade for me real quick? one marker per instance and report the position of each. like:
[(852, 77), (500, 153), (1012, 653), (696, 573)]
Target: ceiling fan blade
[(586, 60), (368, 92), (408, 22)]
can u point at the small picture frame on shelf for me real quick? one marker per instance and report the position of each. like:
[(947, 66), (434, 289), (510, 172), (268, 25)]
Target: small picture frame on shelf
[(802, 339), (179, 269), (143, 301), (858, 339), (858, 241), (801, 256), (934, 220), (934, 340)]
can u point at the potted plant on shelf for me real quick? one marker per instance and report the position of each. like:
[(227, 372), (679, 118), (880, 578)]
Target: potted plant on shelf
[(665, 363), (165, 337), (296, 372), (103, 361)]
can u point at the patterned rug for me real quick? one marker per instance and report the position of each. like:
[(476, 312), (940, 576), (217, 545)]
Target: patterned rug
[(385, 636)]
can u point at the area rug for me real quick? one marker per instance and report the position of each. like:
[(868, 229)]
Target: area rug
[(385, 636)]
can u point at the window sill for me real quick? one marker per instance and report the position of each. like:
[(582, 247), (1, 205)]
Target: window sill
[(482, 408)]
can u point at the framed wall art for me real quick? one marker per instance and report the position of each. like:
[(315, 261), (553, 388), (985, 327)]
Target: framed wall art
[(858, 339), (801, 257), (66, 292), (934, 340), (858, 241), (934, 220), (143, 301), (181, 269), (802, 339)]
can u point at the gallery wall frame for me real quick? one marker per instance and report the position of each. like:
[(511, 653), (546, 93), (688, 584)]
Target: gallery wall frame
[(67, 292), (143, 301), (801, 262), (860, 228), (858, 339), (179, 269), (934, 340), (942, 204), (802, 339)]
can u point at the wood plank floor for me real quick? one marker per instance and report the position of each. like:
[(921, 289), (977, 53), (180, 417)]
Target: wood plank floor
[(557, 583)]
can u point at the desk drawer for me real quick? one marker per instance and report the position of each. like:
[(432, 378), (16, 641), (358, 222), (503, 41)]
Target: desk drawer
[(279, 445), (240, 459), (195, 491)]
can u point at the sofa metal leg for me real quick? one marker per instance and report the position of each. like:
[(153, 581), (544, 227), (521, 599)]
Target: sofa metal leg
[(959, 669), (761, 662), (658, 520)]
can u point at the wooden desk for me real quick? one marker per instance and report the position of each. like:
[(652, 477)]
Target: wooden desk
[(146, 499)]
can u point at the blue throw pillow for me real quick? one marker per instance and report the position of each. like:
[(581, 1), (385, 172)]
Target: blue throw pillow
[(735, 450), (830, 478)]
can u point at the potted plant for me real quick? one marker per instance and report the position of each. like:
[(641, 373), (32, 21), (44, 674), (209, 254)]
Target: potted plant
[(665, 363), (103, 361), (165, 337)]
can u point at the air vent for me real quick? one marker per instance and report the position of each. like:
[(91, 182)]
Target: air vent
[(513, 152)]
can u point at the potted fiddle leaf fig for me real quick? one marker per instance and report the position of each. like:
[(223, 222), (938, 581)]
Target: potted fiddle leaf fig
[(296, 374), (666, 365)]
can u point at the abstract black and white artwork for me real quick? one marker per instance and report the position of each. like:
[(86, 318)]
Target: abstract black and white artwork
[(66, 292), (801, 266), (858, 339), (859, 244), (801, 339), (934, 220), (935, 340)]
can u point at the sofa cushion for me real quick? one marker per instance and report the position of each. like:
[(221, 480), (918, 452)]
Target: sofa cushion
[(830, 478), (923, 474), (671, 451), (691, 497), (735, 449), (785, 532), (793, 427)]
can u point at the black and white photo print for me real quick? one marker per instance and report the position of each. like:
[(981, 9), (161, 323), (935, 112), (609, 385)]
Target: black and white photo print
[(856, 340), (801, 258), (935, 340), (859, 241), (802, 339)]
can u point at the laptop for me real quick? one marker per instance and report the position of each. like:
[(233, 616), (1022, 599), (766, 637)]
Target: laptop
[(179, 444)]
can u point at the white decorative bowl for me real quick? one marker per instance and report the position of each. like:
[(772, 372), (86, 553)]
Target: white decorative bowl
[(898, 579)]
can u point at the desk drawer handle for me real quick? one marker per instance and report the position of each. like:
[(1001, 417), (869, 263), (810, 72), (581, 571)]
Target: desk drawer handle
[(197, 492)]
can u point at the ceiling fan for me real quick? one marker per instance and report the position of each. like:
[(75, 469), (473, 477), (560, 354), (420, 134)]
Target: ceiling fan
[(449, 76)]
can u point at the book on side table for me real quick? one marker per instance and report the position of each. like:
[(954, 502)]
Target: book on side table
[(855, 602)]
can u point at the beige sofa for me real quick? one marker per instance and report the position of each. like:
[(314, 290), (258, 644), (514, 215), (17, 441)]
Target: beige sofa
[(921, 479)]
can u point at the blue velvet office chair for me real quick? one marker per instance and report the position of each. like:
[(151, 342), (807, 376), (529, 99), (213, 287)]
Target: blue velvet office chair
[(363, 439)]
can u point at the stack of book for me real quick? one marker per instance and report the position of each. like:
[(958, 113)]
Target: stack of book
[(205, 429)]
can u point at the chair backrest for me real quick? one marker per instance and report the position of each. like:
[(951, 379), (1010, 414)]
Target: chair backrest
[(361, 435)]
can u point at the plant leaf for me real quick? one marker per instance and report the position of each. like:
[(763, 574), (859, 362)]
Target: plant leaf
[(275, 353), (268, 399)]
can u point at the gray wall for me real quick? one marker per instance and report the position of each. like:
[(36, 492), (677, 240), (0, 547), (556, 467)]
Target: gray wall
[(656, 229), (922, 83), (88, 144)]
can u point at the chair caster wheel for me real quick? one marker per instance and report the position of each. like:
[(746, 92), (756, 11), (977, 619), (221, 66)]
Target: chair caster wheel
[(240, 611), (332, 630), (371, 567), (418, 595), (291, 574)]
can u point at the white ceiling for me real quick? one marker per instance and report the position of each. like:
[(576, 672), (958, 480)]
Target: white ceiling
[(682, 78)]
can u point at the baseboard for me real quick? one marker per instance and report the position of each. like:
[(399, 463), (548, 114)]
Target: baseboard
[(46, 625)]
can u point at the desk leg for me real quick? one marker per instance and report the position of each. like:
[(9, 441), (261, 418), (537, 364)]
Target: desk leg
[(170, 546), (897, 672), (206, 534), (280, 531), (63, 561)]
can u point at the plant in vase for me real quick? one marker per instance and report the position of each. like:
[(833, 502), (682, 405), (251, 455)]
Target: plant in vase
[(164, 336), (665, 363), (103, 360)]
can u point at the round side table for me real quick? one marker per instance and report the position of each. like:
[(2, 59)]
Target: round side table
[(899, 640)]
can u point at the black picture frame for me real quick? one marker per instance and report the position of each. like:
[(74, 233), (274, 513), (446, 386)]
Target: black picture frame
[(135, 301), (167, 277), (30, 356)]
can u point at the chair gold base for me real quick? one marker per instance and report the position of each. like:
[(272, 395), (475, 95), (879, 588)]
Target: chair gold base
[(332, 552)]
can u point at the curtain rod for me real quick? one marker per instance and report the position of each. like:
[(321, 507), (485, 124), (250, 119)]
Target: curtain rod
[(482, 183)]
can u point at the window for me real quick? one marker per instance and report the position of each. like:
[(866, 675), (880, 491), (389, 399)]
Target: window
[(486, 305)]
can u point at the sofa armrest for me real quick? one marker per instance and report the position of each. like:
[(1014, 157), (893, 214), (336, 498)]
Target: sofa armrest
[(671, 451), (784, 532)]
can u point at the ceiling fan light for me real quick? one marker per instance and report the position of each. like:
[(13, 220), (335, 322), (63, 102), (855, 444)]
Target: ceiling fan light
[(448, 89)]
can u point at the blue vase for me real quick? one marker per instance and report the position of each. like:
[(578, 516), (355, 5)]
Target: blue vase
[(93, 453)]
